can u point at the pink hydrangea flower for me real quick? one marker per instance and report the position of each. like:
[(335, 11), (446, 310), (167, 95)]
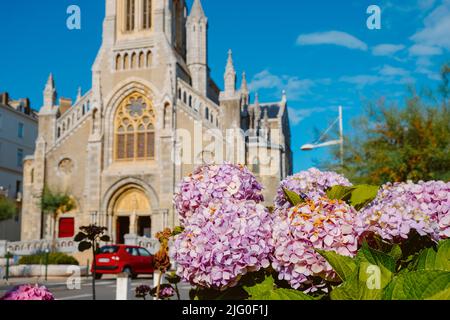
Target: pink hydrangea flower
[(215, 182), (402, 207), (29, 292), (311, 184), (167, 292), (317, 224), (222, 242)]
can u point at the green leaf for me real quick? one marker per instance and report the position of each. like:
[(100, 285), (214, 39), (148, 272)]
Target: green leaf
[(419, 285), (429, 259), (265, 291), (362, 195), (365, 284), (373, 273), (293, 198), (84, 245), (267, 285), (396, 252), (344, 266), (177, 230), (375, 257), (80, 237), (340, 193)]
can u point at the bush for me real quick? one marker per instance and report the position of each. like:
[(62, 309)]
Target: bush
[(53, 258)]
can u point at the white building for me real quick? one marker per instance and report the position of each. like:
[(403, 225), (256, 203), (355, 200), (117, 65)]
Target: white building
[(18, 133)]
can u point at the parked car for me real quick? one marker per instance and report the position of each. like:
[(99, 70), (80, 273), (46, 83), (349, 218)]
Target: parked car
[(115, 259)]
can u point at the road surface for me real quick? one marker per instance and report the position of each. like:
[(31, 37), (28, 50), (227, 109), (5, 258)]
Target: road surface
[(105, 288)]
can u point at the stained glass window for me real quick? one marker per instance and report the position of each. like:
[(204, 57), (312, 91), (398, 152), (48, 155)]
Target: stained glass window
[(135, 129)]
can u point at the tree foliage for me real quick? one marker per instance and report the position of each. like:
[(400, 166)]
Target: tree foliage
[(7, 209), (399, 143), (56, 203)]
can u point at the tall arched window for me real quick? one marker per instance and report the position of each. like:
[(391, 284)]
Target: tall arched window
[(135, 129), (133, 60), (129, 18), (141, 59), (126, 62), (118, 61), (149, 59), (147, 14)]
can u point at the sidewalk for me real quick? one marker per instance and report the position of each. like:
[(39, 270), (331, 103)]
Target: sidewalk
[(51, 281)]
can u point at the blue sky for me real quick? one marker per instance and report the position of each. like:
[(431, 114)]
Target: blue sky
[(320, 51)]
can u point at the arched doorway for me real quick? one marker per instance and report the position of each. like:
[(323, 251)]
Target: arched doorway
[(132, 214)]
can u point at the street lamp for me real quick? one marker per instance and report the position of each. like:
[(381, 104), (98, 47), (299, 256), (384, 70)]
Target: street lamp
[(319, 144)]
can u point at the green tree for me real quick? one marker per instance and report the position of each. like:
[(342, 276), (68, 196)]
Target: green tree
[(399, 143), (7, 209), (55, 204)]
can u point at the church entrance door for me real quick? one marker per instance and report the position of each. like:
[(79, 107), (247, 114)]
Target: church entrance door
[(123, 228), (132, 214)]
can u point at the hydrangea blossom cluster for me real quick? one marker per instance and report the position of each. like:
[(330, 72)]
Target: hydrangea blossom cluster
[(215, 182), (224, 240), (316, 224), (29, 292), (402, 207), (312, 184), (167, 292)]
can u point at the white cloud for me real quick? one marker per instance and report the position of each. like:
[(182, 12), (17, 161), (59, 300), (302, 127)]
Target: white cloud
[(294, 86), (424, 50), (424, 66), (436, 28), (390, 71), (425, 4), (265, 80), (410, 6), (298, 115), (386, 74), (362, 80), (337, 38), (387, 49)]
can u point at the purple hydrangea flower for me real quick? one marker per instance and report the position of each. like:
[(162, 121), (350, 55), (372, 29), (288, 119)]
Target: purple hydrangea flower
[(402, 207), (317, 224), (215, 182), (167, 292), (222, 242), (312, 184), (29, 292)]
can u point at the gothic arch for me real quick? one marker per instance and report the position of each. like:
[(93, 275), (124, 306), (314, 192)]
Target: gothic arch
[(134, 129), (124, 89), (116, 190)]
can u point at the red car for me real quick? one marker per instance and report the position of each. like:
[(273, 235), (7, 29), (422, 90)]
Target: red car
[(115, 259)]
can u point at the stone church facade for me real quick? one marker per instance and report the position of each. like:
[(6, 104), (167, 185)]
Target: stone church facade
[(153, 114)]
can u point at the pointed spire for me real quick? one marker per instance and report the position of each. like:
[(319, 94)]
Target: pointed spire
[(79, 94), (257, 99), (284, 97), (50, 82), (244, 84), (230, 64), (50, 92), (230, 75), (197, 10)]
